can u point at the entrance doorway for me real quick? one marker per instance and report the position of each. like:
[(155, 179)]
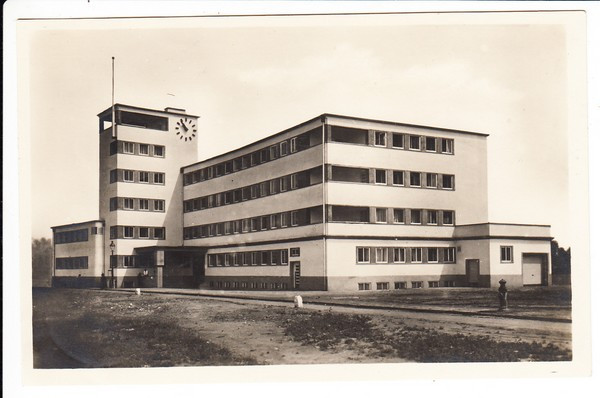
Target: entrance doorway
[(295, 274), (472, 270), (535, 269)]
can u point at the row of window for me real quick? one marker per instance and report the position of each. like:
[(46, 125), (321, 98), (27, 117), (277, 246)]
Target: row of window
[(140, 204), (399, 255), (72, 262), (137, 148), (132, 261), (251, 258), (267, 154), (383, 215), (266, 188), (284, 219), (404, 285), (248, 285), (78, 235), (139, 176), (388, 139), (415, 179), (136, 232), (414, 142)]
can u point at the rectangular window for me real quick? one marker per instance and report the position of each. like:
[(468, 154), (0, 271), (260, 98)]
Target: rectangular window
[(113, 176), (432, 218), (246, 260), (294, 181), (448, 254), (448, 218), (227, 228), (399, 255), (399, 285), (245, 225), (364, 286), (285, 219), (265, 258), (273, 187), (159, 151), (447, 145), (398, 177), (434, 283), (415, 216), (383, 286), (399, 216), (415, 179), (432, 255), (363, 255), (264, 155), (506, 254), (128, 175), (144, 204), (113, 204), (284, 257), (254, 224), (264, 223), (430, 144), (144, 232), (144, 149), (447, 181), (295, 252), (159, 205), (380, 138), (159, 233), (449, 284), (263, 189), (431, 180), (398, 141), (128, 261), (415, 142), (273, 152), (416, 285), (294, 218), (128, 232), (255, 258), (274, 221), (283, 184), (229, 167), (159, 178), (381, 255), (293, 145), (381, 215), (416, 254), (71, 263), (128, 203), (254, 190), (380, 177), (144, 176), (128, 147), (283, 148)]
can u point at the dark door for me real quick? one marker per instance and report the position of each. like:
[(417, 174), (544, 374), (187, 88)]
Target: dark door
[(472, 270)]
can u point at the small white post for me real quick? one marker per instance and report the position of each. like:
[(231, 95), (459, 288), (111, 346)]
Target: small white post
[(138, 291), (298, 302)]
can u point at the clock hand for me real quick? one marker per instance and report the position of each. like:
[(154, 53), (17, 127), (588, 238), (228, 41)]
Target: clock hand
[(184, 127)]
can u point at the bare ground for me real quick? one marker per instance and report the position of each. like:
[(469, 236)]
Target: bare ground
[(86, 328)]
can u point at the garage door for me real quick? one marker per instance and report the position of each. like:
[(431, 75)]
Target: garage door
[(532, 269)]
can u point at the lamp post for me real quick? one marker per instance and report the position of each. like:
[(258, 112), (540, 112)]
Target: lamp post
[(112, 266)]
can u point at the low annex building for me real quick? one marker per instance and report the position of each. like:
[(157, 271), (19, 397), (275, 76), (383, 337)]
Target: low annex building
[(335, 203)]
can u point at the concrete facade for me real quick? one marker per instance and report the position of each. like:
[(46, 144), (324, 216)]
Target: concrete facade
[(335, 203)]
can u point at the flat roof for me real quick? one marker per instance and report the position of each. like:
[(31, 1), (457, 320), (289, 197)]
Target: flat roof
[(109, 109), (77, 223), (322, 118)]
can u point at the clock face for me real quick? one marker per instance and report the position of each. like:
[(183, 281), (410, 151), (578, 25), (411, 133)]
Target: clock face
[(186, 129)]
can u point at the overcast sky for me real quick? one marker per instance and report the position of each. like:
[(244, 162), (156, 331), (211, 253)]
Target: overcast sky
[(252, 77)]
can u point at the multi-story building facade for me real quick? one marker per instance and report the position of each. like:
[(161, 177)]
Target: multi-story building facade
[(335, 203)]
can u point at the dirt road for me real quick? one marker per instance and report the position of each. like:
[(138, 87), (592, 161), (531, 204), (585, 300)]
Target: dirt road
[(79, 328)]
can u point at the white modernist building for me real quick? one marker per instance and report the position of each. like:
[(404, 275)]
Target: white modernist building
[(335, 203)]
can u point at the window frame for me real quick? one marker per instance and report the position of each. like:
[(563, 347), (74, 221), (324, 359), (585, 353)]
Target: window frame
[(381, 211), (410, 179), (376, 139), (509, 250), (363, 250), (401, 135), (427, 141), (379, 172), (381, 255), (410, 142)]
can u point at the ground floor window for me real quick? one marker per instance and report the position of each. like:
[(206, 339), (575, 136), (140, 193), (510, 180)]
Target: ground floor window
[(363, 254), (399, 285), (72, 262), (416, 285), (506, 254), (434, 284), (383, 286), (364, 286)]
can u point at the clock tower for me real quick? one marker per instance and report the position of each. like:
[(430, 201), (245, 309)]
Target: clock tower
[(140, 185)]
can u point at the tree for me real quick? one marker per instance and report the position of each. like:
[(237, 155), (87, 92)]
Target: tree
[(561, 263), (41, 262)]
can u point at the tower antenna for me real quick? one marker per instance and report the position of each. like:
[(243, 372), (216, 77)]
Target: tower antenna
[(114, 126)]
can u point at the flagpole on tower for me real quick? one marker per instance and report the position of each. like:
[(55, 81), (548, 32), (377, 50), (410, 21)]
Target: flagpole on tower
[(114, 126)]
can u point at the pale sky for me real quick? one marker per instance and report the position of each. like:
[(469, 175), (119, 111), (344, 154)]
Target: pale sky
[(251, 77)]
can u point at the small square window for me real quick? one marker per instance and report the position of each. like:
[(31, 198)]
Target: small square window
[(128, 175), (128, 147), (398, 141), (144, 176), (432, 255), (144, 149), (447, 181), (128, 232), (506, 254), (159, 233), (448, 218), (159, 151), (399, 216), (398, 177), (383, 286), (144, 232), (415, 179), (363, 255), (447, 145), (144, 204), (381, 215), (295, 252)]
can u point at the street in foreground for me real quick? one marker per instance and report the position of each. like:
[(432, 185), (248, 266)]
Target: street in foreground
[(95, 329)]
